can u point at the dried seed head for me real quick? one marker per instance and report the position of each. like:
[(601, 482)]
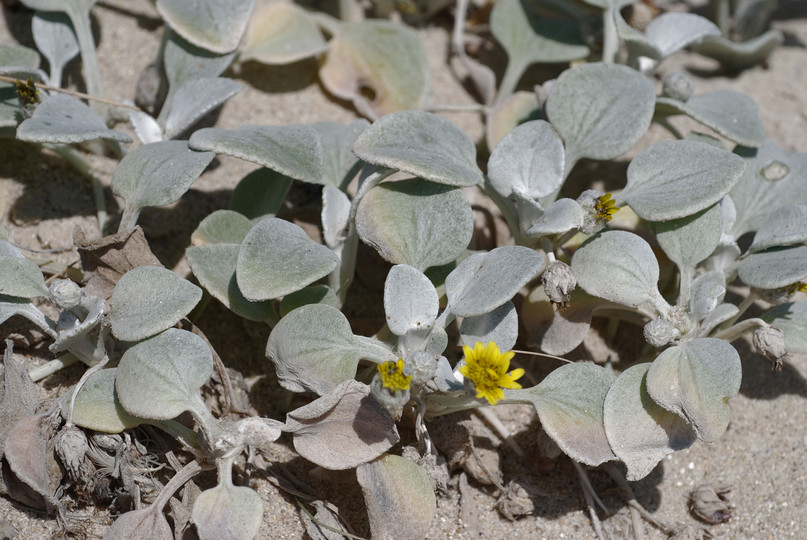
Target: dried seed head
[(710, 504), (659, 332), (559, 281), (71, 446), (64, 294), (770, 342), (677, 85)]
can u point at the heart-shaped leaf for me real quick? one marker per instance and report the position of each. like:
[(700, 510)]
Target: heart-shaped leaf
[(342, 429), (393, 482), (385, 59), (731, 114), (410, 300), (600, 110), (156, 174), (313, 349), (215, 25), (64, 119), (149, 299), (277, 257), (415, 222), (422, 144), (618, 266), (499, 326), (485, 281), (184, 61), (159, 378), (228, 512), (773, 268), (281, 33), (260, 193), (569, 402), (689, 240), (56, 40), (529, 161), (695, 381), (785, 227), (791, 319), (194, 99), (674, 179), (640, 432), (97, 407)]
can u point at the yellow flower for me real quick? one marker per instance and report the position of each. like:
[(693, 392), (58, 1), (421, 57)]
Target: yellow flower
[(487, 368), (796, 287), (606, 207), (392, 375)]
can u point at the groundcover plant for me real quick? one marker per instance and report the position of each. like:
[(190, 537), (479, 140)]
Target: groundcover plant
[(701, 242)]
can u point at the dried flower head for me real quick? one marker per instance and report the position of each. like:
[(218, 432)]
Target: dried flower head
[(486, 367)]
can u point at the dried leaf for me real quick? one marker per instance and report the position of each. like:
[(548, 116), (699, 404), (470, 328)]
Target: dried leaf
[(146, 524), (27, 455), (18, 395)]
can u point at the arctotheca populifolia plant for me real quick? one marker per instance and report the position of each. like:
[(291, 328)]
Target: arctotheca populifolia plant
[(399, 185)]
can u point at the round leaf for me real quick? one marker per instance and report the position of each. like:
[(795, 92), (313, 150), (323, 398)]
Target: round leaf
[(64, 119), (260, 193), (529, 161), (159, 378), (194, 99), (278, 258), (184, 62), (313, 349), (785, 227), (774, 268), (485, 281), (215, 25), (222, 227), (422, 144), (791, 319), (499, 326), (689, 240), (145, 524), (695, 381), (228, 512), (21, 277), (618, 266), (415, 222), (674, 179), (399, 497), (55, 38), (97, 407), (671, 32), (558, 331), (640, 432), (281, 33), (149, 299), (410, 300), (386, 59), (600, 110)]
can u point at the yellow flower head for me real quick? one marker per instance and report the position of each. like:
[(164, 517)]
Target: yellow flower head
[(606, 207), (796, 287), (487, 368), (392, 375)]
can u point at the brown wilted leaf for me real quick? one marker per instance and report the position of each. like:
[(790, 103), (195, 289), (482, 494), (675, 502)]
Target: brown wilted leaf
[(710, 504), (18, 394), (28, 458)]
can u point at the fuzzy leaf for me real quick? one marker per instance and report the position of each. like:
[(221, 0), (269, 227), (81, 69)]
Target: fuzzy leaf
[(184, 61), (731, 114), (342, 429), (569, 402), (215, 25), (600, 110), (21, 277), (145, 524), (222, 227), (194, 99), (618, 266), (499, 325), (313, 349), (558, 331), (260, 193), (640, 432), (228, 512), (671, 32), (675, 179), (26, 452), (791, 319), (735, 56), (281, 33), (381, 57), (529, 161), (97, 407), (399, 497), (338, 159), (149, 299), (159, 378), (415, 222), (485, 281), (335, 216), (56, 40), (695, 381), (10, 306), (689, 240), (410, 300), (64, 119), (19, 396), (422, 144), (277, 257), (785, 227), (313, 294), (773, 268)]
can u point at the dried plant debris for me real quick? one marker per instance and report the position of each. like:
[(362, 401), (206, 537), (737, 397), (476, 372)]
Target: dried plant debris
[(518, 498), (710, 504), (19, 396)]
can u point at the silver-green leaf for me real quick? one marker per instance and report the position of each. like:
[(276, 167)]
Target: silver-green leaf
[(66, 120), (215, 25), (774, 268)]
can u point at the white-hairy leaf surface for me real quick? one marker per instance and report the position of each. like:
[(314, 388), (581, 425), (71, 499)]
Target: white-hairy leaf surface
[(194, 99), (215, 25), (618, 266), (675, 179), (785, 227), (281, 33), (160, 378), (774, 268), (64, 119), (671, 32), (335, 214), (485, 281), (529, 160), (184, 61), (228, 512), (145, 524), (147, 300), (695, 381), (640, 432), (56, 40), (97, 407), (21, 277), (689, 240), (415, 222), (791, 319), (410, 300), (314, 349), (338, 159), (558, 331), (499, 326), (562, 215)]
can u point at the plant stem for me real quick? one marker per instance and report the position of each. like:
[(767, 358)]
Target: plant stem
[(512, 74), (744, 305), (610, 45), (685, 274), (73, 93), (179, 479), (45, 370), (733, 332)]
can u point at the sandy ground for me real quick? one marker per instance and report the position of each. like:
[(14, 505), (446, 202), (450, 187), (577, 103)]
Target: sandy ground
[(759, 458)]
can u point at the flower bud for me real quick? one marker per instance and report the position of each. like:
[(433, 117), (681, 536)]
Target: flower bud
[(659, 332), (599, 209), (769, 341), (559, 281), (421, 366), (677, 85), (64, 294)]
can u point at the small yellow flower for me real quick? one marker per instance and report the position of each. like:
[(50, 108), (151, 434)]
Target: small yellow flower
[(606, 207), (796, 287), (487, 368), (392, 375)]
